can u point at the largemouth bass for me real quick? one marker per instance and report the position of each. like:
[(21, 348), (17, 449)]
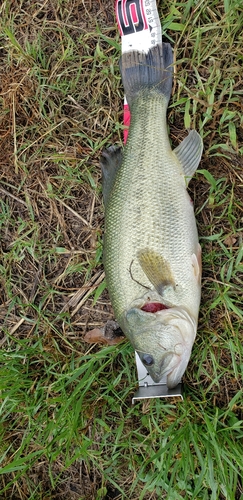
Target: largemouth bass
[(152, 256)]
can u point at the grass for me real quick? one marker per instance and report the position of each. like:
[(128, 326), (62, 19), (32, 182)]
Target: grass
[(67, 426)]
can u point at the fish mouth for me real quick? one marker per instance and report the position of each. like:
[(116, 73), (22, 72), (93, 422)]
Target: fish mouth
[(157, 377), (153, 307), (163, 371)]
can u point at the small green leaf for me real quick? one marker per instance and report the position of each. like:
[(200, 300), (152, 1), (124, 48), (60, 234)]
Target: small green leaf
[(187, 118), (99, 291), (232, 134), (209, 178), (176, 26), (61, 250)]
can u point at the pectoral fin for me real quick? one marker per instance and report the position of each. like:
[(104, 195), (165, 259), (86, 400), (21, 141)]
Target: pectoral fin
[(189, 154), (157, 269), (110, 163)]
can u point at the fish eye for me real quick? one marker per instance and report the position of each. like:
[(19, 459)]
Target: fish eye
[(148, 360)]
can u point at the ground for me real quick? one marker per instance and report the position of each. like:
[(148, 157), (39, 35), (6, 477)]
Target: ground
[(68, 429)]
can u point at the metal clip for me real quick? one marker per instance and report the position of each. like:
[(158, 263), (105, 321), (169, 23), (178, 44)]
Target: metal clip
[(149, 389)]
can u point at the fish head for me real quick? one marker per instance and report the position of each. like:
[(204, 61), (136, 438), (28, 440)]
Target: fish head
[(163, 341)]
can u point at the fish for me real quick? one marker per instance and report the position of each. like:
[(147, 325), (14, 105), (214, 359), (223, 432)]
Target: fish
[(152, 255)]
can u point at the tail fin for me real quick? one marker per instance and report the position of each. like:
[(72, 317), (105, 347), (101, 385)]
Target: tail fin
[(147, 71)]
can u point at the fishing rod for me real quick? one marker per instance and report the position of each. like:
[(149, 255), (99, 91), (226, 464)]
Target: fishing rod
[(140, 29)]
